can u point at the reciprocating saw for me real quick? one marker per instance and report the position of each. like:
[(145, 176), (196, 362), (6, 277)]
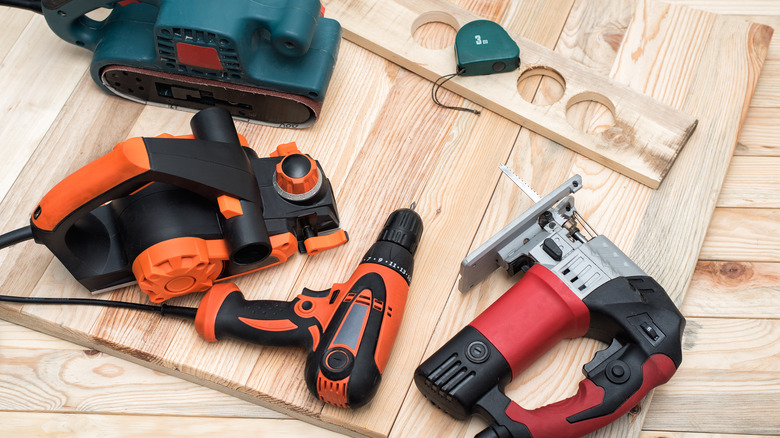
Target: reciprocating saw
[(572, 286)]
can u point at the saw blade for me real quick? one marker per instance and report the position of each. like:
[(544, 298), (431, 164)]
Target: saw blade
[(531, 193)]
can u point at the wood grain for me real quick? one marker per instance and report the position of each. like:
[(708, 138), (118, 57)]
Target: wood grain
[(34, 424), (734, 289), (728, 7), (384, 145), (760, 134), (643, 142), (751, 182), (733, 361), (742, 234), (767, 92), (730, 396), (28, 111), (72, 380), (13, 21)]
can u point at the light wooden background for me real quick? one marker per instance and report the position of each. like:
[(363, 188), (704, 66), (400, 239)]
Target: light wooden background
[(729, 383)]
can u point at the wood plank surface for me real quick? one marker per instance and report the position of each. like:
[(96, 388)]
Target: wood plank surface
[(350, 140), (642, 142), (752, 182), (41, 424), (743, 234), (734, 289)]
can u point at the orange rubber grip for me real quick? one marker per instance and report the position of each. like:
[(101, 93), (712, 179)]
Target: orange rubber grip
[(127, 160)]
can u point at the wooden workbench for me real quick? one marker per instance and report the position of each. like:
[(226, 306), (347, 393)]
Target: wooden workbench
[(729, 382)]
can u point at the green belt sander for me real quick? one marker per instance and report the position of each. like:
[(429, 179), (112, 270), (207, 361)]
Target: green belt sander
[(266, 61)]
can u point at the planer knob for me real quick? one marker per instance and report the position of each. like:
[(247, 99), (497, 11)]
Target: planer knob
[(297, 177)]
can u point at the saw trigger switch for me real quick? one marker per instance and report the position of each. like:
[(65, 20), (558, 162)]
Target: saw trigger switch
[(592, 368)]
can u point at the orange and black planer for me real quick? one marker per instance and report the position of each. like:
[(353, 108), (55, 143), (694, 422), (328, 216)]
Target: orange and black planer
[(267, 61), (177, 214)]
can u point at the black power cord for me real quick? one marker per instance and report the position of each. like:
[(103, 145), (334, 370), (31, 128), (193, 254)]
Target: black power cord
[(25, 233), (15, 236), (163, 309), (30, 5)]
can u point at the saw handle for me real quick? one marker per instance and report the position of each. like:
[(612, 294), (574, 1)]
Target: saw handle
[(590, 409), (216, 170), (634, 315)]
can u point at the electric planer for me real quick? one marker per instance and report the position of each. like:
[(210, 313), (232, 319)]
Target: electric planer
[(266, 61)]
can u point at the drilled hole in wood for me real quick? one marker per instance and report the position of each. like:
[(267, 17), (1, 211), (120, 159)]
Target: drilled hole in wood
[(590, 112), (435, 30), (541, 85)]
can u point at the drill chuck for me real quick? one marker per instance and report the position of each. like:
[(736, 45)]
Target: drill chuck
[(403, 227), (397, 243)]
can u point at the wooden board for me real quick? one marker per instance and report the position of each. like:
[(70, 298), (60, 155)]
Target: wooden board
[(380, 156), (642, 142)]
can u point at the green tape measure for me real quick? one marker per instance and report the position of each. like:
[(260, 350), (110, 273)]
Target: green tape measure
[(483, 47)]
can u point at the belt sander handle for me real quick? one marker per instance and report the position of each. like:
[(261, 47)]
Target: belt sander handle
[(291, 23), (213, 164), (69, 21)]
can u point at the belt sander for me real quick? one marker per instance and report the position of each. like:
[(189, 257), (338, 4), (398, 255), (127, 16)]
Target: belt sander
[(266, 61)]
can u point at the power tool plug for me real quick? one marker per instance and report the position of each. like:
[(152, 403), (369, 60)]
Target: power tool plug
[(572, 286)]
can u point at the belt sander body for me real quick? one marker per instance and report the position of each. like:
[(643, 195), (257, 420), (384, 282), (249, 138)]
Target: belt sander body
[(266, 61)]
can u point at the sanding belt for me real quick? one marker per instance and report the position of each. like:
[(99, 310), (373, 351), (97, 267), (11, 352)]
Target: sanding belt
[(246, 103)]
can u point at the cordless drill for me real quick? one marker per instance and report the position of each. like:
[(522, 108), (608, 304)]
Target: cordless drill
[(348, 329), (572, 286)]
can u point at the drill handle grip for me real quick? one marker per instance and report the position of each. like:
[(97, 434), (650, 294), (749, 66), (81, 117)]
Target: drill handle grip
[(224, 312)]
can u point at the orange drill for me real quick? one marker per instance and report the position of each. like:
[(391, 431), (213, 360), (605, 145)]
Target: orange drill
[(348, 329)]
